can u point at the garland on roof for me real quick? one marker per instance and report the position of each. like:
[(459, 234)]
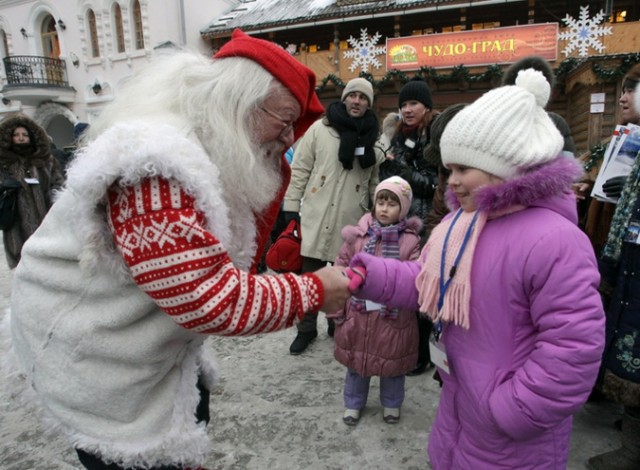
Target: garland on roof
[(620, 71), (460, 73), (566, 66)]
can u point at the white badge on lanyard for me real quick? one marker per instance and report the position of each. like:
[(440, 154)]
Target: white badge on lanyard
[(359, 151), (438, 354), (410, 143)]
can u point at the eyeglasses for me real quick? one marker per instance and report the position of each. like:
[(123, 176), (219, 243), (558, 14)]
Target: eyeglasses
[(288, 126)]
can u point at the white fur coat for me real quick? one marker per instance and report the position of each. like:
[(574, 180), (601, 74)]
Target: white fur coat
[(113, 374)]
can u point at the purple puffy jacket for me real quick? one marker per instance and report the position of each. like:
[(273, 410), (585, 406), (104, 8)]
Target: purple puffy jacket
[(531, 355)]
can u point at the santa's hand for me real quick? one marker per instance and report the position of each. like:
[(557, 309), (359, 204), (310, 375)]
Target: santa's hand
[(336, 287)]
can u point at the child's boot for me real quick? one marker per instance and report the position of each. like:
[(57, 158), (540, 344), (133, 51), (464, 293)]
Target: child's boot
[(351, 417), (391, 415)]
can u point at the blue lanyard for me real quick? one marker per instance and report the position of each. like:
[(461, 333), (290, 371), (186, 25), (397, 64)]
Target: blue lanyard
[(444, 285)]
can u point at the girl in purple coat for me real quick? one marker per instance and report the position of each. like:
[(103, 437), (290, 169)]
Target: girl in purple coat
[(372, 339), (510, 282)]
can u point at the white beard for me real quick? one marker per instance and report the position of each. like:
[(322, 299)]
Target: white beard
[(250, 182), (248, 179)]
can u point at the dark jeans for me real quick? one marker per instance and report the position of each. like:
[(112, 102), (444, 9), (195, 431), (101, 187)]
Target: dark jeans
[(91, 462)]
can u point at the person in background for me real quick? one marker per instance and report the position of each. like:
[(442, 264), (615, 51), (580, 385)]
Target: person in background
[(25, 155), (389, 126), (79, 130), (432, 155), (596, 218), (439, 209), (373, 340), (538, 63), (153, 245), (406, 159), (59, 154), (280, 224), (333, 177), (511, 283), (620, 286)]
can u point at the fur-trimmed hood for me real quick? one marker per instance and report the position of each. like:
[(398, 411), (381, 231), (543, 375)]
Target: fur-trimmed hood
[(543, 186), (40, 141), (351, 232)]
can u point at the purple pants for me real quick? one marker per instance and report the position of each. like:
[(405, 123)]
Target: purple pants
[(356, 390)]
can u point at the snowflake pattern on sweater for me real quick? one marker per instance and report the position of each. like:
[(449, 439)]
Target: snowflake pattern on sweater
[(189, 274)]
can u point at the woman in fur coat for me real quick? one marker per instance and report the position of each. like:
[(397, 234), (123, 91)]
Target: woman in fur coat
[(25, 155)]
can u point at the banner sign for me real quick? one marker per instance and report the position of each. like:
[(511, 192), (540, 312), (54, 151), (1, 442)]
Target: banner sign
[(478, 47)]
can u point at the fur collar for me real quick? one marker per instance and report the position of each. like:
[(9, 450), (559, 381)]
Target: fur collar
[(552, 179), (131, 151), (40, 150)]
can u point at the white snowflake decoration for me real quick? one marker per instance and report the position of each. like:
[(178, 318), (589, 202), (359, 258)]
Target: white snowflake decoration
[(364, 51), (584, 33)]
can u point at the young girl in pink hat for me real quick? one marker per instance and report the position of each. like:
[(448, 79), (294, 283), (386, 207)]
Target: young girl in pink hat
[(373, 339)]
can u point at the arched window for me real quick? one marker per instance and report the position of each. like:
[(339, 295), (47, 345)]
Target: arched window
[(93, 33), (119, 28), (137, 25), (50, 43)]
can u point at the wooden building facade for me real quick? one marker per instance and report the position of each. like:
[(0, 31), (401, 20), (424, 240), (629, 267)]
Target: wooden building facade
[(320, 36)]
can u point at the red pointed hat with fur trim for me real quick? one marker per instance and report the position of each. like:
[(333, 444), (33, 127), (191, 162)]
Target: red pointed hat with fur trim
[(297, 78)]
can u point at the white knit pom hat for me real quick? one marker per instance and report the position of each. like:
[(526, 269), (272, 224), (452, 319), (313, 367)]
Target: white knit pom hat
[(506, 130)]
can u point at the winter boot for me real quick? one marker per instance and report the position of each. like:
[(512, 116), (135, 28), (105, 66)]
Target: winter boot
[(628, 456), (391, 415), (351, 417)]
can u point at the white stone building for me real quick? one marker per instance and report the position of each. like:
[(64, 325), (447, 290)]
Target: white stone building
[(63, 60)]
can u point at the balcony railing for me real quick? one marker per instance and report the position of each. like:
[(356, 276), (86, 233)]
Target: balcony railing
[(35, 71)]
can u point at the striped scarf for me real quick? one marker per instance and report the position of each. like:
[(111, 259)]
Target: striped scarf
[(622, 215), (389, 238)]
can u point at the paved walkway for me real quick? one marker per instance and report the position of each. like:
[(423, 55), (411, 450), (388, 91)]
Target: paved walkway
[(275, 411)]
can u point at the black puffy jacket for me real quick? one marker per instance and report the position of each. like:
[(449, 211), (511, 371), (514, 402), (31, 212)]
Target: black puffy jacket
[(409, 163)]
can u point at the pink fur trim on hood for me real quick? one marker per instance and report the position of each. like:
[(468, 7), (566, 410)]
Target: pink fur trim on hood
[(542, 182)]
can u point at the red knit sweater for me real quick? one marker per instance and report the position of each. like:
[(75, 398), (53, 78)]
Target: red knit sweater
[(189, 274)]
